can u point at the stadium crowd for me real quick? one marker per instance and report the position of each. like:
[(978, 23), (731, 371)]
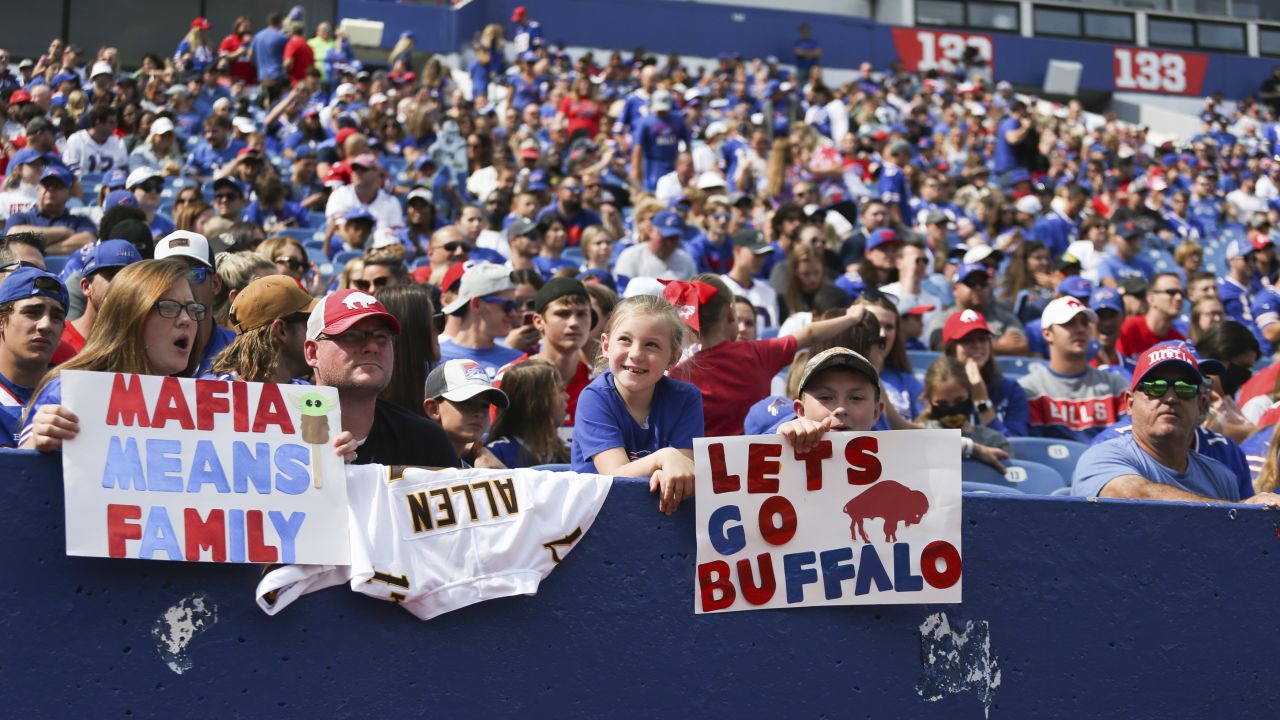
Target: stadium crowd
[(535, 259)]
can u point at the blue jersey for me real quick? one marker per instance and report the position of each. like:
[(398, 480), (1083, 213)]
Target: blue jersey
[(204, 160), (765, 416), (894, 190), (1005, 159), (1266, 311), (491, 359), (1207, 213), (635, 107), (711, 257), (902, 390), (74, 223), (1208, 443), (290, 213), (602, 421), (1056, 231), (50, 394), (1255, 451), (1114, 267), (268, 53), (1237, 300), (659, 139), (12, 399)]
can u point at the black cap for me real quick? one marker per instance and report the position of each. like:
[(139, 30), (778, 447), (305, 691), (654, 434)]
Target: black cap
[(556, 288), (753, 240), (522, 227)]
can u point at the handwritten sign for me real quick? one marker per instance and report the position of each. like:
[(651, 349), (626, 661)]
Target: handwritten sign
[(203, 471), (862, 519)]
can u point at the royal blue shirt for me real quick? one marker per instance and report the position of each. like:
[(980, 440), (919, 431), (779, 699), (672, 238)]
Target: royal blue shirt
[(74, 223), (659, 140), (767, 415), (1005, 159), (13, 398), (711, 257), (602, 421), (291, 213), (894, 190), (492, 359), (1056, 231), (1112, 266), (205, 159), (268, 52)]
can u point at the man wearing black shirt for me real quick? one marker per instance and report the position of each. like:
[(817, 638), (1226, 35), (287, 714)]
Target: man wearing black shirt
[(1269, 93), (349, 345)]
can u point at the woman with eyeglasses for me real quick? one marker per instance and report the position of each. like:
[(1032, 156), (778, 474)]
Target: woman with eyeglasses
[(290, 258), (146, 325)]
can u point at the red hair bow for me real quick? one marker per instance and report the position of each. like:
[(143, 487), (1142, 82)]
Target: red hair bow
[(688, 298)]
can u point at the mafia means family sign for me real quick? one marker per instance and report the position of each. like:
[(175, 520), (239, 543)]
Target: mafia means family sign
[(203, 470), (863, 518)]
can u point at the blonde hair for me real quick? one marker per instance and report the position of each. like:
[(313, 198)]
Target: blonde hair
[(237, 270), (647, 306), (273, 246), (531, 387), (116, 342), (1270, 473)]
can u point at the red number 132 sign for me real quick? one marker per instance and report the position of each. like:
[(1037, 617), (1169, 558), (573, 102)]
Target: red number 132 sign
[(923, 49), (1159, 71)]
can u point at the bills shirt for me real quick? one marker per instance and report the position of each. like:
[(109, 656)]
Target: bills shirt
[(1072, 407), (435, 541)]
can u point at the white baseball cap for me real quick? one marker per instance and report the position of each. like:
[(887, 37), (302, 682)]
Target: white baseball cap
[(139, 176), (460, 380), (243, 124), (101, 68), (161, 125), (660, 101), (1029, 204), (978, 253), (709, 180), (478, 281), (1062, 310), (184, 243)]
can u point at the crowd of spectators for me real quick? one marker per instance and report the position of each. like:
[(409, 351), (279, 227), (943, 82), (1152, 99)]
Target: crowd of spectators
[(541, 257)]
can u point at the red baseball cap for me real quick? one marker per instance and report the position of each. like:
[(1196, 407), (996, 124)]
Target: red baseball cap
[(341, 136), (338, 311), (519, 14), (919, 310), (453, 275), (201, 23), (19, 96), (962, 323), (1173, 352)]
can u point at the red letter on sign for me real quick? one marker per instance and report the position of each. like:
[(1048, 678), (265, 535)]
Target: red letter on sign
[(714, 576), (271, 411), (813, 464), (763, 468), (777, 534), (172, 405), (940, 549), (127, 405), (259, 551), (751, 592), (211, 533), (209, 402), (864, 466), (721, 480), (118, 530)]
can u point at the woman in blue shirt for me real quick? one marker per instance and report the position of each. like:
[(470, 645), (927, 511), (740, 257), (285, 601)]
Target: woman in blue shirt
[(1000, 403), (902, 388)]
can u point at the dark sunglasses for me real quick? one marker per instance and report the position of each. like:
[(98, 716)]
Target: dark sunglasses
[(455, 246), (170, 309), (15, 264), (977, 282), (291, 263), (225, 196), (198, 273), (508, 306), (152, 186), (1172, 292), (365, 285), (1155, 389)]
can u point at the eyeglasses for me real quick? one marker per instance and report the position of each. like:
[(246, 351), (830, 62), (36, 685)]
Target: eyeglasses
[(170, 309), (978, 283), (574, 189), (378, 282), (508, 306), (922, 261), (198, 274), (225, 196), (358, 337), (721, 216), (291, 262), (1155, 389), (183, 201), (15, 264), (454, 246), (1171, 292), (152, 186)]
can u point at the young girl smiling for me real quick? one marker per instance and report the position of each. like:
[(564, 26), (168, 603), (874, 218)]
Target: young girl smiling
[(633, 420)]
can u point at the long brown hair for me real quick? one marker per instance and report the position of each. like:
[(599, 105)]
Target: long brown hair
[(1267, 477), (944, 369), (531, 387), (416, 346), (895, 357), (116, 343), (1018, 276), (794, 296), (184, 218)]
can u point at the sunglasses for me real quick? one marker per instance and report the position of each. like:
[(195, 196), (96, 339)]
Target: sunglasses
[(454, 246), (1174, 292), (1155, 389), (15, 264), (183, 201), (225, 196), (978, 283), (508, 306), (198, 274), (170, 309), (291, 263), (366, 285), (358, 337), (152, 187), (575, 189)]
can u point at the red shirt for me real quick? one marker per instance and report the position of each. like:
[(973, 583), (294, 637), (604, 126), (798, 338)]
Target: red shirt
[(582, 115), (1136, 336), (303, 58), (581, 378), (1260, 384), (240, 69), (733, 376), (70, 346)]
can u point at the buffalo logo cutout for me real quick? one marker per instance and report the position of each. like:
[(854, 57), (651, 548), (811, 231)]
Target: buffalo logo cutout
[(893, 502)]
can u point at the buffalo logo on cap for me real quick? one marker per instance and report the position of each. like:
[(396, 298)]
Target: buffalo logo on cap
[(969, 316), (359, 298), (473, 370)]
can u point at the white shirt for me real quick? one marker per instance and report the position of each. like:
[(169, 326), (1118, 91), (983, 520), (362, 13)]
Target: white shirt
[(16, 200), (1246, 205), (82, 155), (668, 188), (761, 295), (1090, 258), (494, 240), (636, 261), (385, 209)]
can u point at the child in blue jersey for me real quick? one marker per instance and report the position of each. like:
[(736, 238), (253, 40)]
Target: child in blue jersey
[(527, 432), (33, 307), (633, 420)]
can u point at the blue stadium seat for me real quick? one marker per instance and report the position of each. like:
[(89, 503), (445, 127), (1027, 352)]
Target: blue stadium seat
[(342, 257), (1061, 455), (987, 489), (302, 235), (315, 219), (1031, 478), (54, 263), (316, 255), (921, 359), (1062, 492), (768, 333), (556, 467), (573, 255), (1016, 367)]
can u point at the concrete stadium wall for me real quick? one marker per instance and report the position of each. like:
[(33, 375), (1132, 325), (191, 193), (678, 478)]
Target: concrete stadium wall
[(1072, 609)]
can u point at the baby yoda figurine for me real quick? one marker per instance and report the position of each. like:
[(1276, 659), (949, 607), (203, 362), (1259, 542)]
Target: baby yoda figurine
[(315, 425)]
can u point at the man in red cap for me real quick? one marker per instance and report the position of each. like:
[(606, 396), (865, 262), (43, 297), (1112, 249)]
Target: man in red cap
[(528, 32), (1168, 399), (349, 346)]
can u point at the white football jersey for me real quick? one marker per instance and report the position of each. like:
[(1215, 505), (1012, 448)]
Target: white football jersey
[(436, 541)]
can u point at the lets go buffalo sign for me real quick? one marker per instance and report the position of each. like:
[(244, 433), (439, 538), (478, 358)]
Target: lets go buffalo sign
[(862, 519)]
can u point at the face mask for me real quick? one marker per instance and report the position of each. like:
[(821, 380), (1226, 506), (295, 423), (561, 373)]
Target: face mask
[(952, 416), (1234, 378)]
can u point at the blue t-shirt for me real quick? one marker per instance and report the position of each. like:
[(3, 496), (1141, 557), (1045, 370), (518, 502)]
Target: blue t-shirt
[(74, 223), (491, 358), (803, 63), (268, 52), (1114, 267), (766, 415), (1056, 231), (902, 390), (50, 394), (659, 140), (1208, 443), (204, 159), (602, 421), (1102, 463), (291, 213), (894, 190), (161, 225), (12, 399), (1005, 159), (710, 257), (547, 266), (1237, 302), (1013, 417)]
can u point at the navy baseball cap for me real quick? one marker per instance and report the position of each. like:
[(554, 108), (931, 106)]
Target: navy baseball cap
[(115, 179), (966, 270), (538, 180), (1019, 175), (59, 173), (119, 197), (26, 155), (1076, 287), (883, 236), (359, 212), (233, 183), (111, 254), (1106, 298), (669, 224), (26, 282)]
